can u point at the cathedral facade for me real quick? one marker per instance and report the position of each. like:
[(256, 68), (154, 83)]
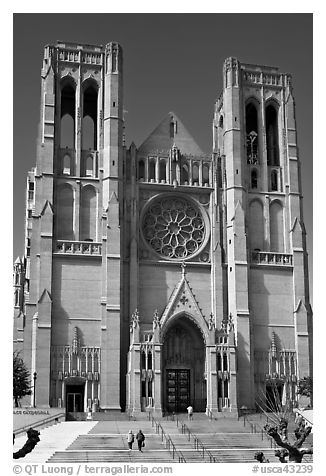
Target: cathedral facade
[(161, 276)]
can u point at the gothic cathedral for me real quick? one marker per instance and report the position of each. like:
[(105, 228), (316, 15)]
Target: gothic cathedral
[(160, 276)]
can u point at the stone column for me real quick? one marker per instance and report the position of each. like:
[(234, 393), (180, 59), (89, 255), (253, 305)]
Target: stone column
[(211, 378)]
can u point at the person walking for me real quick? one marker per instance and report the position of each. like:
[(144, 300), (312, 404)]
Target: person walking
[(130, 439), (190, 411), (140, 437)]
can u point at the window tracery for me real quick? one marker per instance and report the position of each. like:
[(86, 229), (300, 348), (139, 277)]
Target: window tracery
[(174, 227)]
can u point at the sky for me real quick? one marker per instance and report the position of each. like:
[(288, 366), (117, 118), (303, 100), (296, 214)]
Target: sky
[(172, 62)]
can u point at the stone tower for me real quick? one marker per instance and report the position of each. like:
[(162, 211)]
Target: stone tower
[(255, 135), (74, 252), (160, 276)]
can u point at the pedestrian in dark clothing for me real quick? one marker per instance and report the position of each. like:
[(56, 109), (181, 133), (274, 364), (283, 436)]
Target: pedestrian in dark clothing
[(140, 437)]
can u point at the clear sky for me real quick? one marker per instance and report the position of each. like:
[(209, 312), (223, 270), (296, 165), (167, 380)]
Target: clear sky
[(172, 62)]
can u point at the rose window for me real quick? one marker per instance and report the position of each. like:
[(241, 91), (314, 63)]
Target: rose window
[(174, 227)]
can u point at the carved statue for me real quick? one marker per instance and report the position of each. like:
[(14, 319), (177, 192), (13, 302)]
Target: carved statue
[(135, 319), (156, 320), (211, 322)]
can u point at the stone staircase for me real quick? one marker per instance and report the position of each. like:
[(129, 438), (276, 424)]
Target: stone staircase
[(224, 437), (107, 442), (227, 438)]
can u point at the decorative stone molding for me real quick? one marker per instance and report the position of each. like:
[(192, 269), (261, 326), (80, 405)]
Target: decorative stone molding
[(83, 248), (174, 227), (135, 319), (271, 258)]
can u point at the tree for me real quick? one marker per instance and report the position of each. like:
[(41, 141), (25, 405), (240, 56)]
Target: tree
[(33, 437), (21, 379), (305, 387), (292, 450)]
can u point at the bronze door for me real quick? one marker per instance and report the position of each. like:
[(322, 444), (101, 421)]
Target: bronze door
[(75, 398), (178, 390)]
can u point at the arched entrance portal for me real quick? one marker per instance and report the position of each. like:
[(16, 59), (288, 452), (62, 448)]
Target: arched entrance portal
[(183, 367)]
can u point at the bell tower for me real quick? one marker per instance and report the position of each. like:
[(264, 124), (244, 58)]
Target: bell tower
[(74, 228), (255, 134)]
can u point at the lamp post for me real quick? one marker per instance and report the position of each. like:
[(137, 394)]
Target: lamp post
[(34, 387)]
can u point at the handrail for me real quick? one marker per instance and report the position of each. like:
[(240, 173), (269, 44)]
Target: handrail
[(253, 428), (167, 440), (172, 417), (39, 423), (199, 446)]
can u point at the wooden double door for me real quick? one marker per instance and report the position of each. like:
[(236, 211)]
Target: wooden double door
[(178, 390)]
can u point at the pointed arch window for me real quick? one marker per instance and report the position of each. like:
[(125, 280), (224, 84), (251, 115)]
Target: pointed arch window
[(226, 389), (276, 227), (225, 362), (219, 362), (205, 174), (272, 136), (66, 169), (163, 170), (256, 225), (149, 360), (252, 134), (195, 173), (152, 170), (67, 132), (89, 166), (88, 214), (254, 179), (89, 121), (143, 360), (274, 181), (114, 60), (16, 298), (141, 170), (64, 215), (68, 109)]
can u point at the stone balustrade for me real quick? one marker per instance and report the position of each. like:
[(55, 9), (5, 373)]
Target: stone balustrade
[(84, 248), (257, 77), (271, 258)]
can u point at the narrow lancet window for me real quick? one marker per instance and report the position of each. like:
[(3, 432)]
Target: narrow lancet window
[(89, 122), (272, 136), (254, 179), (252, 134), (274, 186), (152, 170), (195, 173), (162, 171), (66, 169), (141, 170), (67, 133), (205, 174)]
